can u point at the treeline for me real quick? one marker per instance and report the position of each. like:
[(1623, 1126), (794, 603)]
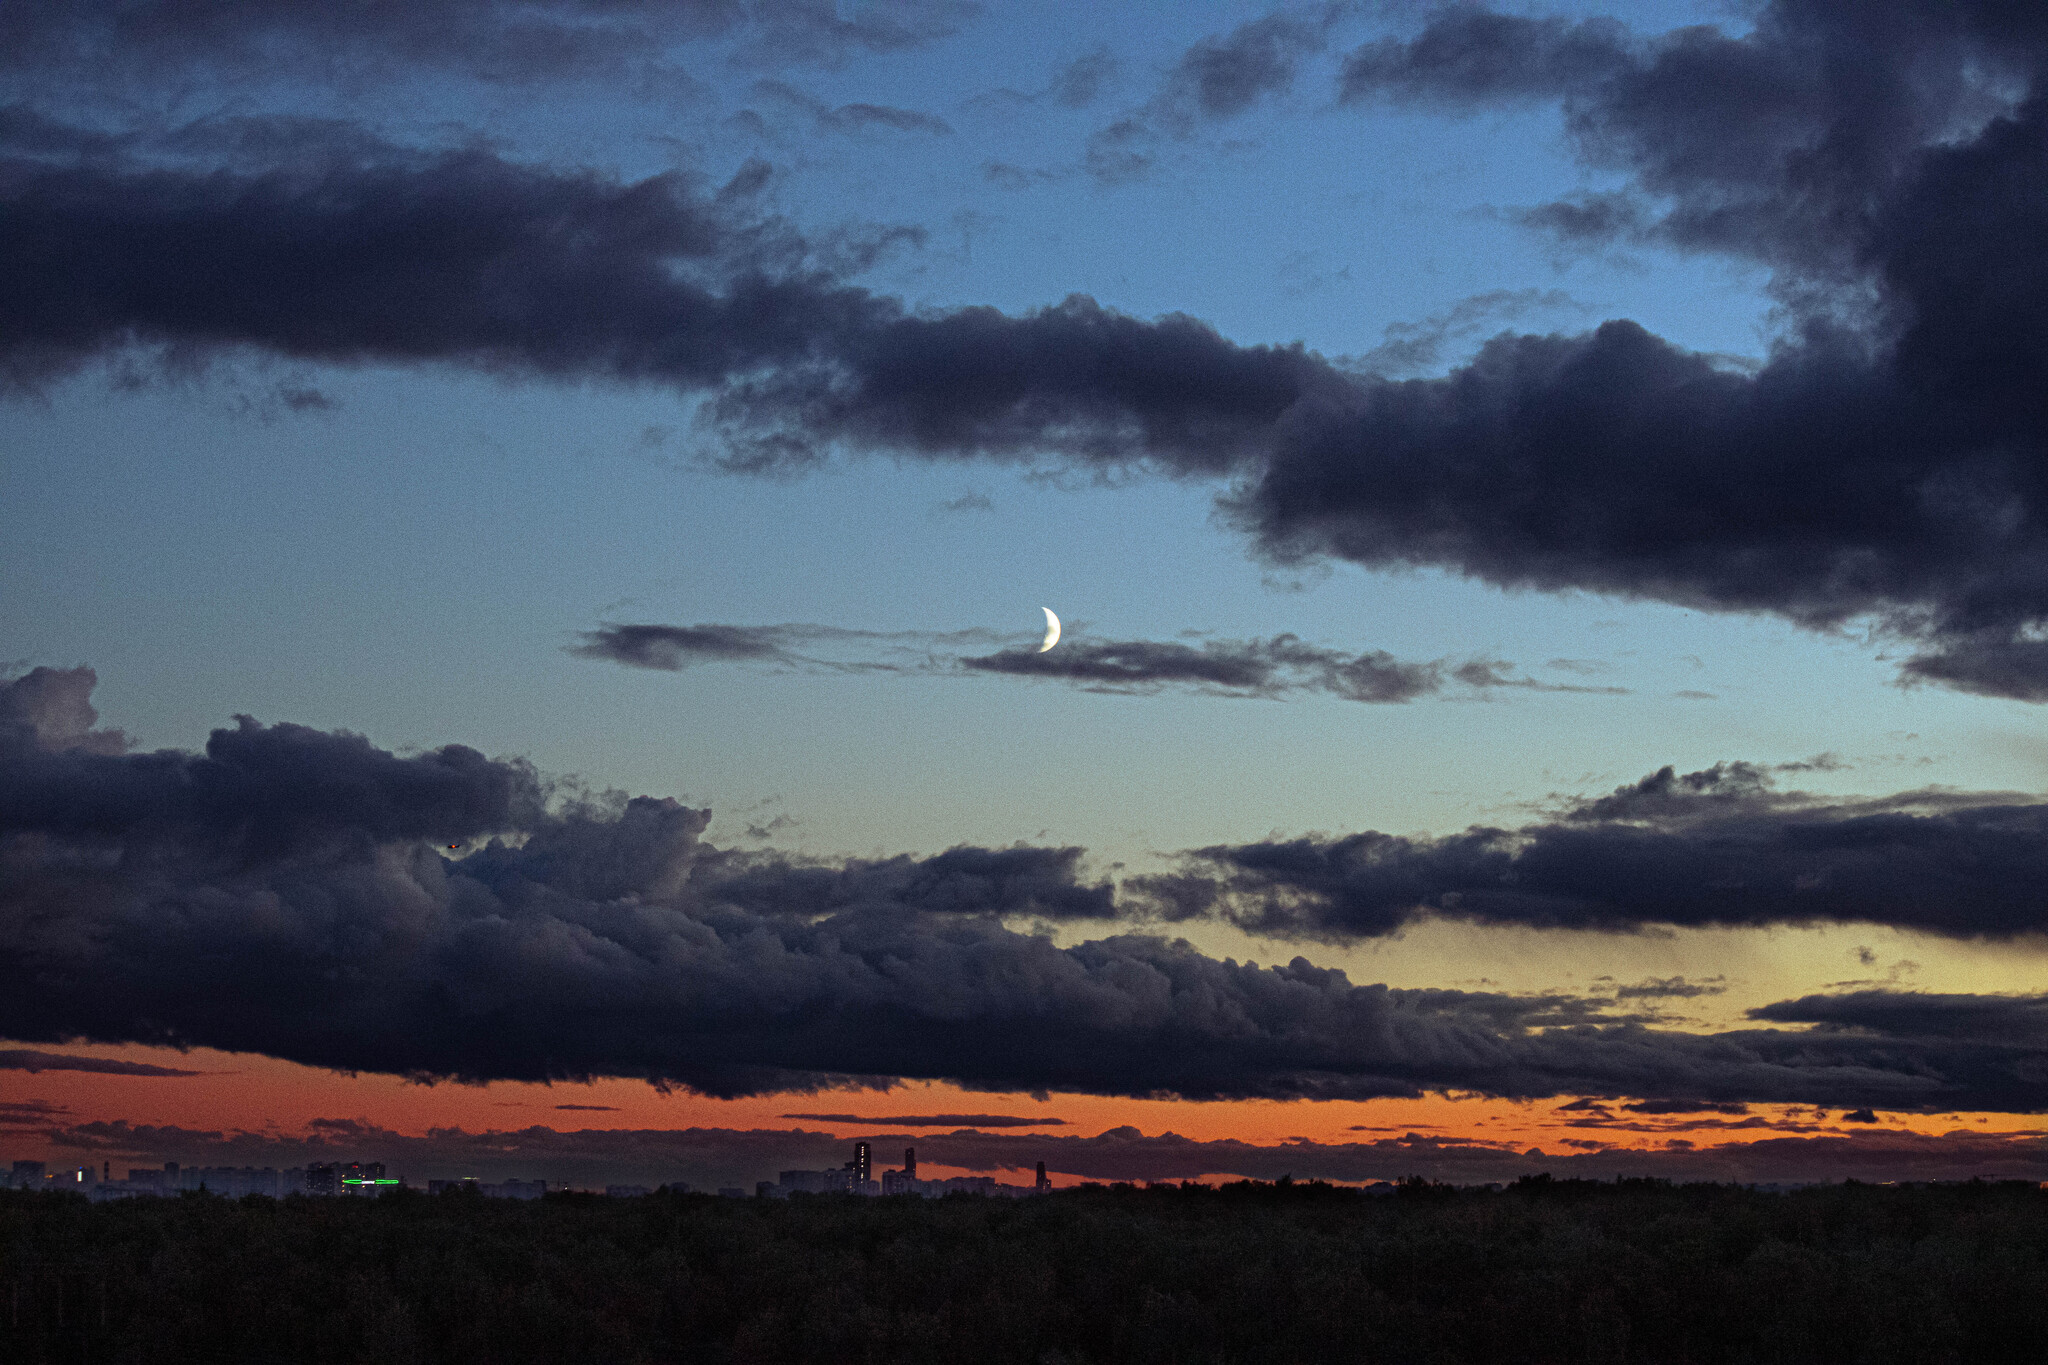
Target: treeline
[(1543, 1271)]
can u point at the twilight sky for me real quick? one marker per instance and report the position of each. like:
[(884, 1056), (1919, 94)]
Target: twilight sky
[(523, 525)]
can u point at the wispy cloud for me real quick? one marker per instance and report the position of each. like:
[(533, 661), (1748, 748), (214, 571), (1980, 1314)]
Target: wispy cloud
[(937, 1120), (1281, 666), (851, 118), (631, 45), (23, 1059), (1217, 78)]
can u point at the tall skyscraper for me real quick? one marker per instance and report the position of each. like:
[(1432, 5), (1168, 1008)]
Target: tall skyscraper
[(862, 1165), (1043, 1183), (910, 1162)]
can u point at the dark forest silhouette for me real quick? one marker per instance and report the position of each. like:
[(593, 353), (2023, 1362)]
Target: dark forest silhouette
[(1542, 1271)]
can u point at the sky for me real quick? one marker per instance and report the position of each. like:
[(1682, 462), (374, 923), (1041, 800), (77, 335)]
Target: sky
[(524, 530)]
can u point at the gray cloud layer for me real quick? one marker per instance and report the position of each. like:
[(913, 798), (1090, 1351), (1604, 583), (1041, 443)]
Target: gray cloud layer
[(290, 892)]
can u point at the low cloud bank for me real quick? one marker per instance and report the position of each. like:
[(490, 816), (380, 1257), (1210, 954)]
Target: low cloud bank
[(306, 895)]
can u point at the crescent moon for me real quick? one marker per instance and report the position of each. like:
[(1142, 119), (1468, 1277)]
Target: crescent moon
[(1052, 630)]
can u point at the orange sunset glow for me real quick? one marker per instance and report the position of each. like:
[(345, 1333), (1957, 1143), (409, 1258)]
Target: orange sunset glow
[(228, 1093)]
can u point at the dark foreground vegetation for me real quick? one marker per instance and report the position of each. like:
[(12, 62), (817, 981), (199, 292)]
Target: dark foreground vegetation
[(1544, 1271)]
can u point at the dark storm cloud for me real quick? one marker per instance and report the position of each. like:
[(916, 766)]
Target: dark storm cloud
[(1074, 381), (1046, 882), (145, 42), (397, 257), (390, 257), (937, 1120), (2017, 669), (258, 792), (289, 893), (1886, 161), (713, 1157), (1716, 847), (1797, 144), (2017, 1018), (1277, 667)]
